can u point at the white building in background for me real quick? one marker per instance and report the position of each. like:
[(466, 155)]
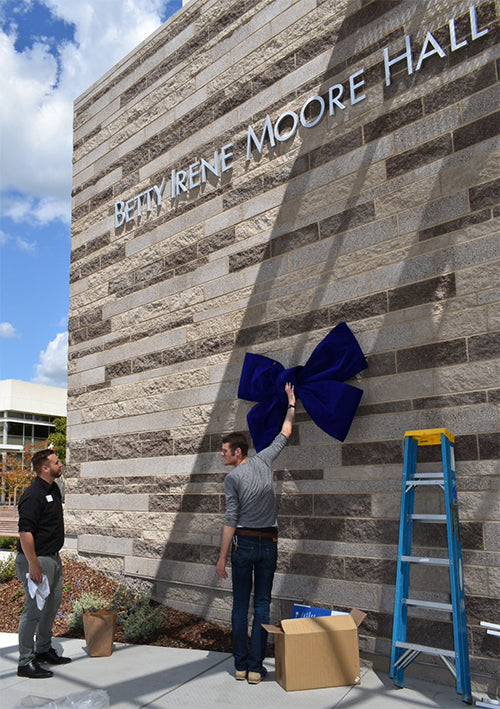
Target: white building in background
[(27, 413)]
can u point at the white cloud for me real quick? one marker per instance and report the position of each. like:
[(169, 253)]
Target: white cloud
[(22, 244), (16, 208), (105, 31), (24, 209), (35, 148), (47, 210), (53, 366), (7, 330), (38, 91), (25, 245)]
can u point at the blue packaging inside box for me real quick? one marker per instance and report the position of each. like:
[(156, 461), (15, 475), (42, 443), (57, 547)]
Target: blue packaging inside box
[(302, 611)]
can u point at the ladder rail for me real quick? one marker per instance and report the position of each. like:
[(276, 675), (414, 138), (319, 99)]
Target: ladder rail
[(404, 549), (457, 585)]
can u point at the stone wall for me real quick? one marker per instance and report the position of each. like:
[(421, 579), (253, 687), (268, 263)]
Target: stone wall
[(382, 212)]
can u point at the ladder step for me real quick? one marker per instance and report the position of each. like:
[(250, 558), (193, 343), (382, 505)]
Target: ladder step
[(428, 518), (422, 476), (426, 649), (428, 604), (492, 628), (436, 561), (416, 481)]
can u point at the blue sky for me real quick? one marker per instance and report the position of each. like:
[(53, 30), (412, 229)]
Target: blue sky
[(50, 52)]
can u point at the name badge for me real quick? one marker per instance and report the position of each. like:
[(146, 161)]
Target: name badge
[(49, 498)]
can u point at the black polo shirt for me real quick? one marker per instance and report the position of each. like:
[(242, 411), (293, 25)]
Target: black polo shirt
[(41, 513)]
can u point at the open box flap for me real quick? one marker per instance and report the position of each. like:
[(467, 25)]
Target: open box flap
[(358, 616), (296, 626), (273, 629)]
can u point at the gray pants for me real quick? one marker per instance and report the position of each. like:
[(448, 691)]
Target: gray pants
[(33, 622)]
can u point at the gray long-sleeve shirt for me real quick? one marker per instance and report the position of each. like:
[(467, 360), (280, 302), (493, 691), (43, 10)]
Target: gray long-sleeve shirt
[(249, 489)]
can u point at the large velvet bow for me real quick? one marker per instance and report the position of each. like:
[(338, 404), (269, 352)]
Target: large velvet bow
[(319, 384)]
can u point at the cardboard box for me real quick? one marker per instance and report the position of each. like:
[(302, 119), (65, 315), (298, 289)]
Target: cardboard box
[(317, 652)]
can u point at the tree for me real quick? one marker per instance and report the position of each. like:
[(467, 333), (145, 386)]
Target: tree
[(58, 439), (16, 475)]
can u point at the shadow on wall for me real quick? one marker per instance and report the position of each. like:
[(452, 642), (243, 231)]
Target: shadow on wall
[(317, 266)]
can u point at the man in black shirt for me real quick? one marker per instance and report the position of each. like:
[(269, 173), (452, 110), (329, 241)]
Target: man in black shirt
[(41, 536)]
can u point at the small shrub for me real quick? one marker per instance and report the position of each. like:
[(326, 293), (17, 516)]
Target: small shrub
[(88, 601), (8, 568), (140, 620), (17, 594), (8, 543), (122, 600), (143, 621)]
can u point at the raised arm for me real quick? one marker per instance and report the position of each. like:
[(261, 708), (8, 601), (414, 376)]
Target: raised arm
[(287, 426)]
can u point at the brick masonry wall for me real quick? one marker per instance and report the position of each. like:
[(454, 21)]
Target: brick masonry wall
[(384, 215)]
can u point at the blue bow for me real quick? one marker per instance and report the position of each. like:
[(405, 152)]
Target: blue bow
[(330, 403)]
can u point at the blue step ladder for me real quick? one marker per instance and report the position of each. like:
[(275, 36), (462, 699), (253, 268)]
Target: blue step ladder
[(403, 653)]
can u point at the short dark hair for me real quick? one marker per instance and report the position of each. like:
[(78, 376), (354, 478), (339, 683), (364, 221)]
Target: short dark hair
[(236, 440), (40, 458)]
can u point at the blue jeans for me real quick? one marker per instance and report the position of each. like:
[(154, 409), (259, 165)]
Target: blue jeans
[(253, 562)]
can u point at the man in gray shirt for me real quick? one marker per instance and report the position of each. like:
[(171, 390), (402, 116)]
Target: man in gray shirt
[(251, 532)]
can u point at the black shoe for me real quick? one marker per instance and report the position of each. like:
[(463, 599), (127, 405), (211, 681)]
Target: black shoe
[(52, 658), (33, 671)]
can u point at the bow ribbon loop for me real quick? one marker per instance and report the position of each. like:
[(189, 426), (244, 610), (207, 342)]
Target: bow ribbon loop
[(319, 384)]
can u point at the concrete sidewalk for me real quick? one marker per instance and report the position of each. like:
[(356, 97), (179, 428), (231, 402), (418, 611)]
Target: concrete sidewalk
[(148, 676)]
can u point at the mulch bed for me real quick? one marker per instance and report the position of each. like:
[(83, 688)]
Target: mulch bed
[(180, 629)]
